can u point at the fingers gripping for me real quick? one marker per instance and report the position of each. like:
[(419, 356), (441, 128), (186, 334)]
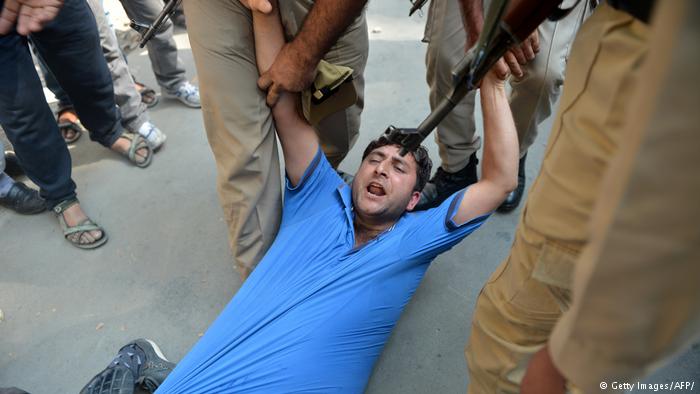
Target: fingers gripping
[(8, 17)]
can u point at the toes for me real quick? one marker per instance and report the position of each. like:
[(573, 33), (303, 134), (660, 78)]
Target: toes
[(123, 145), (96, 235), (142, 154), (85, 238), (73, 238), (89, 237)]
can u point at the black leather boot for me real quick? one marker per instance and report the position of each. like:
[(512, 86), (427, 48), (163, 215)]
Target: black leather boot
[(513, 200), (443, 184)]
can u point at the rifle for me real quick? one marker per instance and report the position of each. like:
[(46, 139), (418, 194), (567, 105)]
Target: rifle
[(148, 31), (499, 33)]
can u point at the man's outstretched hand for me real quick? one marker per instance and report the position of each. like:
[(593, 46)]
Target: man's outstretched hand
[(29, 15), (292, 71)]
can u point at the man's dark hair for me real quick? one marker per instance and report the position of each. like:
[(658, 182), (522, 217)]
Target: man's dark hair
[(420, 155)]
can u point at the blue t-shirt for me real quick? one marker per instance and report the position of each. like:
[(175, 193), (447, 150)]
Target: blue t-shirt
[(316, 312)]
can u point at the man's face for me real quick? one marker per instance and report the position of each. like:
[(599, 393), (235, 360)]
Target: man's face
[(383, 186)]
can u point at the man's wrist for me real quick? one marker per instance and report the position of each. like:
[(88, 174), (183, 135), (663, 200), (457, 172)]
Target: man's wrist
[(299, 50), (493, 87), (472, 38)]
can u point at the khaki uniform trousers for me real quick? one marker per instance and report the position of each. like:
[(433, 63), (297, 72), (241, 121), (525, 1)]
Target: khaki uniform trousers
[(239, 125), (636, 300), (524, 297), (532, 98)]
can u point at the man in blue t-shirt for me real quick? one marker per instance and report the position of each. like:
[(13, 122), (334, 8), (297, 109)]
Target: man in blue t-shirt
[(316, 312)]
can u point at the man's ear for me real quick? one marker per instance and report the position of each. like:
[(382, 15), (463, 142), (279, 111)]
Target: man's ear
[(415, 197)]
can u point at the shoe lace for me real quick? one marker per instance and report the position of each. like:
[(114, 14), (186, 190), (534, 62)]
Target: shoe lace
[(188, 89), (128, 357)]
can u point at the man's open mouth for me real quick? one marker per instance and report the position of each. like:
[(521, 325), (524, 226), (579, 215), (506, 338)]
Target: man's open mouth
[(376, 189)]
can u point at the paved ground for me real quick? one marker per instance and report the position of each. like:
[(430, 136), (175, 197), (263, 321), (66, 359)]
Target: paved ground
[(166, 271)]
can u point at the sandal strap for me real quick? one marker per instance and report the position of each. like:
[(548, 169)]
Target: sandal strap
[(144, 87), (147, 91), (59, 208), (137, 143), (70, 125), (84, 227)]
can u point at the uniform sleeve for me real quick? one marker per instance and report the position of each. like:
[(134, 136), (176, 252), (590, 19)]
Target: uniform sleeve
[(316, 191), (434, 231)]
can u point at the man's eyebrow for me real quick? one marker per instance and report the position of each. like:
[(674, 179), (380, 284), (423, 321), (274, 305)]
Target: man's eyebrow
[(377, 153), (399, 159)]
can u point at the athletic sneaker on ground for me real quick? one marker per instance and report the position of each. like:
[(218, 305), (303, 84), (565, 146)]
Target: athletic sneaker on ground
[(187, 93), (153, 135), (139, 362)]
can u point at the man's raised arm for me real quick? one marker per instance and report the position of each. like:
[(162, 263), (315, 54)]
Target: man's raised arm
[(500, 160), (298, 138), (293, 69)]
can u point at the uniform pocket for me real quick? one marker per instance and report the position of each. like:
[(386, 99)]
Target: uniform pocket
[(555, 265), (555, 268)]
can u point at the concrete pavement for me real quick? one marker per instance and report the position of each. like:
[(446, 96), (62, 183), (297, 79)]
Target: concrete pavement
[(166, 271)]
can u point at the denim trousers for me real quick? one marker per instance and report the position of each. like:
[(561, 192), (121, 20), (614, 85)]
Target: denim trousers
[(70, 45), (133, 112)]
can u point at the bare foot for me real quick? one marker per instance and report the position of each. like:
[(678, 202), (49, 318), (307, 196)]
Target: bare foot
[(122, 145), (75, 216)]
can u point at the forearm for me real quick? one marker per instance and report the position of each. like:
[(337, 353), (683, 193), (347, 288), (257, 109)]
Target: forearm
[(298, 139), (472, 19), (269, 39), (500, 159), (500, 152), (324, 24)]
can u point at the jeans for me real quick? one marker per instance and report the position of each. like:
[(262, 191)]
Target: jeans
[(2, 157), (133, 112), (51, 83), (70, 46)]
